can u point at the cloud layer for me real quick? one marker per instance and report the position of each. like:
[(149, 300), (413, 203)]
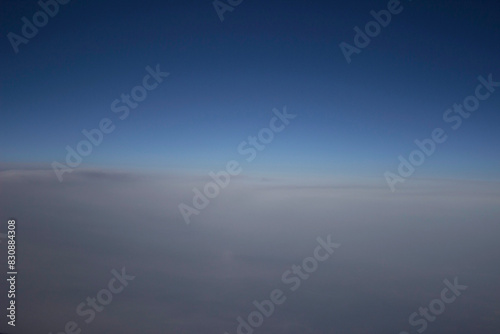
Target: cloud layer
[(396, 251)]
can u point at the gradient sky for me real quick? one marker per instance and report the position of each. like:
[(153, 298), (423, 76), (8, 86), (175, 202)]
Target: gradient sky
[(226, 77)]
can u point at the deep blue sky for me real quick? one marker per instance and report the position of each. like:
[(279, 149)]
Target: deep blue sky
[(226, 77)]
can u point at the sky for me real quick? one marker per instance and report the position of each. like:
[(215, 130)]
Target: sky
[(226, 77), (253, 137)]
